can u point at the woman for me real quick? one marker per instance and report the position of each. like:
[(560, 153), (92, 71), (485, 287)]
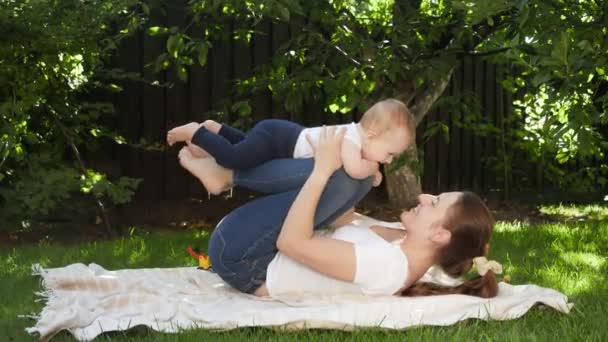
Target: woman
[(449, 230)]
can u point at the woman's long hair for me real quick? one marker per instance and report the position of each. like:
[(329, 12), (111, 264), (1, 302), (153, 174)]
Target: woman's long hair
[(470, 223)]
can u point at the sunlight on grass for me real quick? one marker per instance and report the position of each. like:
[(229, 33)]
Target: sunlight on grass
[(572, 282), (9, 263), (584, 260), (594, 212), (575, 273), (502, 226), (571, 257), (139, 254), (165, 249)]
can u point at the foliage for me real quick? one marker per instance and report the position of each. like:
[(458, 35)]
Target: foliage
[(346, 54), (53, 57), (557, 53)]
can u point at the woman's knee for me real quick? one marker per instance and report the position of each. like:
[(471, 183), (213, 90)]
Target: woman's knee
[(341, 193), (265, 125), (346, 185)]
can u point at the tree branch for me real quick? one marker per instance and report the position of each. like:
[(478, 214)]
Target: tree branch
[(345, 54), (100, 206), (487, 52), (424, 101)]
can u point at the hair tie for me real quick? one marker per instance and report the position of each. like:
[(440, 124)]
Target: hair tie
[(483, 265)]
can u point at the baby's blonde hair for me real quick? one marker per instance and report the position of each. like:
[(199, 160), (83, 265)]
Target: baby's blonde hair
[(387, 114)]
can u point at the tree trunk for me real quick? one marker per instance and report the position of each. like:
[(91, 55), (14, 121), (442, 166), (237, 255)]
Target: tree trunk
[(403, 184)]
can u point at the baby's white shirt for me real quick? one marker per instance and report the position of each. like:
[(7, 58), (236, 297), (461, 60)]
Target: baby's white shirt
[(303, 149), (381, 266)]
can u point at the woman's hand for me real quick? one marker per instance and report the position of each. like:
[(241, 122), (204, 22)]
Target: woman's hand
[(327, 150)]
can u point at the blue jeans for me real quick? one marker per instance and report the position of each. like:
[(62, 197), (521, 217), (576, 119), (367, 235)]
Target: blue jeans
[(244, 242), (233, 149)]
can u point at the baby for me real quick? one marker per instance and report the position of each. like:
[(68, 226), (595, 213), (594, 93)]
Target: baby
[(385, 131)]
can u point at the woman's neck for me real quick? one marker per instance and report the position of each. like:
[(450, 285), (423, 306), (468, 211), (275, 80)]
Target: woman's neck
[(420, 257)]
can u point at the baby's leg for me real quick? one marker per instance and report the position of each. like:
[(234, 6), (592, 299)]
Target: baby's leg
[(233, 135), (257, 147), (214, 178), (182, 133), (230, 133)]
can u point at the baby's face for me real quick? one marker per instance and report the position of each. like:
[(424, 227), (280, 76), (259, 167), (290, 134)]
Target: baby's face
[(384, 147)]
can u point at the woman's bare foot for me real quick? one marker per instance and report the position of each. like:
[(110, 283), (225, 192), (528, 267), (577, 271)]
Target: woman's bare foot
[(215, 178), (182, 133), (196, 151)]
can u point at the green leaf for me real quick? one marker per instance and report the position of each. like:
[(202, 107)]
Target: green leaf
[(203, 50), (561, 48), (541, 78), (182, 73), (445, 133), (161, 62), (145, 8), (242, 107), (523, 16), (172, 45), (283, 12), (562, 157), (156, 30)]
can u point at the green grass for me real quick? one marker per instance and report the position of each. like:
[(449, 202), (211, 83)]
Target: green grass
[(570, 257), (576, 212)]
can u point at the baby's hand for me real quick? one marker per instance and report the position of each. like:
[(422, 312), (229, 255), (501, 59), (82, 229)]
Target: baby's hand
[(377, 178)]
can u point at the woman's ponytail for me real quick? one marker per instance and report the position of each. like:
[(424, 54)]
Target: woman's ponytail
[(482, 286)]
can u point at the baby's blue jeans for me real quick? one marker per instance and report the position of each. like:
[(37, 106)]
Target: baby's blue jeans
[(269, 139)]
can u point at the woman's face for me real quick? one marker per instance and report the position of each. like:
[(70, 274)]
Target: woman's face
[(431, 209)]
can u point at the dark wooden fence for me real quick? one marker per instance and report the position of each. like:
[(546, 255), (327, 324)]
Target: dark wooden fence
[(147, 112)]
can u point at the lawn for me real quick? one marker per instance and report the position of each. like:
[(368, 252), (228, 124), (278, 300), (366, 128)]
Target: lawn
[(569, 254)]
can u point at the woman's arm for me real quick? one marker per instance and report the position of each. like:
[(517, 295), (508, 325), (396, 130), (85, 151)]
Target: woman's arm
[(331, 257)]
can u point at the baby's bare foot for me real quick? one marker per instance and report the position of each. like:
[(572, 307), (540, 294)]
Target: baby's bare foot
[(196, 151), (214, 178), (182, 133)]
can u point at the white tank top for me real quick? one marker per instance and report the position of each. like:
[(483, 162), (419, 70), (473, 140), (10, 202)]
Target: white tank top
[(303, 148), (381, 266)]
